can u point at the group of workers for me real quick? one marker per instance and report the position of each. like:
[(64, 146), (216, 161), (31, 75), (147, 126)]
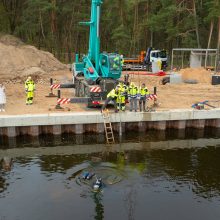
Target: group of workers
[(123, 93), (119, 96)]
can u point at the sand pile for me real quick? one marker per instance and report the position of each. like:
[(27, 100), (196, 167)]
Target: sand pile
[(20, 60), (199, 74)]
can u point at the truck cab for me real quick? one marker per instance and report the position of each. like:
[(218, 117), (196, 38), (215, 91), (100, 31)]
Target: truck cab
[(154, 56)]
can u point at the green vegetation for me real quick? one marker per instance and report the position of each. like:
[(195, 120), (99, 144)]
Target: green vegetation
[(127, 26)]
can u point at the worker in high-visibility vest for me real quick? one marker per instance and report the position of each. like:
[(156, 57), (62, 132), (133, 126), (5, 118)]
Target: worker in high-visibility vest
[(29, 89), (122, 60), (111, 96), (132, 96), (159, 64), (118, 62), (121, 97), (143, 94)]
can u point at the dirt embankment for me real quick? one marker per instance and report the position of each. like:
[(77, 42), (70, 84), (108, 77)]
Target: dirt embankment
[(18, 60), (200, 75)]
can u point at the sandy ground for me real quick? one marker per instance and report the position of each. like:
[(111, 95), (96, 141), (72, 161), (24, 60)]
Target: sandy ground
[(170, 96), (17, 61)]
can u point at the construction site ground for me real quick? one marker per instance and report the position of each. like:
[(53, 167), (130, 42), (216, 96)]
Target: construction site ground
[(18, 61), (170, 96)]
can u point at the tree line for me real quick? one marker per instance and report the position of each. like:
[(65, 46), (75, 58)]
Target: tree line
[(127, 26)]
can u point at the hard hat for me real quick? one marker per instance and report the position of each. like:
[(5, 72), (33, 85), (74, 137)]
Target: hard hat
[(121, 56), (29, 78), (132, 84)]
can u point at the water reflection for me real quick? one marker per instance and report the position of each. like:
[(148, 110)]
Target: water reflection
[(198, 167), (136, 174), (99, 208)]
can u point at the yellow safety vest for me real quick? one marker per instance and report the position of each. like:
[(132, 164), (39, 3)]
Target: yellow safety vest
[(112, 94), (122, 61), (132, 91), (29, 85), (143, 92), (118, 61)]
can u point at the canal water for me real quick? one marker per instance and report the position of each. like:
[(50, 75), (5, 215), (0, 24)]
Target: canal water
[(150, 176)]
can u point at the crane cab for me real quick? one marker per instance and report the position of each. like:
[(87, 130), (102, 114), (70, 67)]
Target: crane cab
[(110, 65)]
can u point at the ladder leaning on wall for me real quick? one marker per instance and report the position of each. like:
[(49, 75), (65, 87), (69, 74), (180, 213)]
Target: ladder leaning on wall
[(108, 127)]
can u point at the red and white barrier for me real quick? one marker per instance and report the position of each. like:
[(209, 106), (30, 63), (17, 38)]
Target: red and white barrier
[(63, 101), (95, 89), (152, 97), (55, 86)]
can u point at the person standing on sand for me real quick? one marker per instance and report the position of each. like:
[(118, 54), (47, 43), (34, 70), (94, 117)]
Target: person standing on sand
[(132, 96), (2, 98), (143, 93), (29, 89)]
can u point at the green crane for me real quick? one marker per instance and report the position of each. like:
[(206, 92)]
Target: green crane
[(95, 64), (96, 69)]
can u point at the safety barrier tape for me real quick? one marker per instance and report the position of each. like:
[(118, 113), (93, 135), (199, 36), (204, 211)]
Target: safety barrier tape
[(55, 86), (63, 101), (95, 89), (152, 97)]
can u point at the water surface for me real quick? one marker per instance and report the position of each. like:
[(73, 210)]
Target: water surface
[(157, 179)]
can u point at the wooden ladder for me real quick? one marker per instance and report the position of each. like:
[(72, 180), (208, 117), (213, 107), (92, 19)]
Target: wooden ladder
[(108, 127)]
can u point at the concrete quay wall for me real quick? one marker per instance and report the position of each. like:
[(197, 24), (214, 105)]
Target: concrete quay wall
[(92, 122)]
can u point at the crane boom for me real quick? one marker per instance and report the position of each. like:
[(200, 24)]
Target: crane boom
[(97, 73), (94, 37)]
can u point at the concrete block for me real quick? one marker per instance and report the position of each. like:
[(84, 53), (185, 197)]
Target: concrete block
[(79, 129), (100, 129), (91, 128), (1, 132), (209, 123), (57, 130), (146, 116), (199, 124), (48, 129), (116, 127), (142, 126), (160, 116), (178, 124), (159, 125), (69, 129), (22, 130), (149, 125), (217, 123), (132, 126), (33, 131), (180, 114), (122, 125), (175, 78), (11, 132)]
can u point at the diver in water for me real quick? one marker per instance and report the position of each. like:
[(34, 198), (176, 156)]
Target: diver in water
[(98, 184), (87, 175)]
